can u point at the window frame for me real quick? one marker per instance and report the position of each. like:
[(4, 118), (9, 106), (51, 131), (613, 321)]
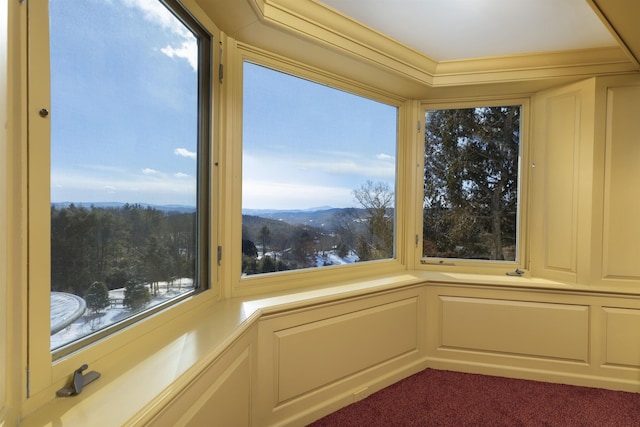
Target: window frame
[(325, 276), (44, 371), (459, 265)]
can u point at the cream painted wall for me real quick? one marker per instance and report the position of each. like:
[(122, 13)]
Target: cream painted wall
[(3, 207), (621, 224), (584, 226), (298, 364)]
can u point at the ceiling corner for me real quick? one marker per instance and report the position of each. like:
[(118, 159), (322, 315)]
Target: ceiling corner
[(621, 19)]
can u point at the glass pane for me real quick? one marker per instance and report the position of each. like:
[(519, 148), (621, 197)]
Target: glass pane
[(318, 174), (124, 162), (471, 183)]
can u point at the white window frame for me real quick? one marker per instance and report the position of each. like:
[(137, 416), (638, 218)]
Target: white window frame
[(43, 374), (459, 265)]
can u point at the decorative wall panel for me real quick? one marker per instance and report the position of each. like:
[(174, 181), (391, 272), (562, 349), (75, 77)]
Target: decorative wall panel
[(318, 353), (621, 245), (560, 182), (556, 331), (622, 343)]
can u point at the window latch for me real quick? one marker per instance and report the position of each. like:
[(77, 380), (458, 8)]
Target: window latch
[(78, 382), (516, 273)]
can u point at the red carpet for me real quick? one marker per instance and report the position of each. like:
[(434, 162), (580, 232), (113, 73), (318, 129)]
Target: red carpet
[(445, 398)]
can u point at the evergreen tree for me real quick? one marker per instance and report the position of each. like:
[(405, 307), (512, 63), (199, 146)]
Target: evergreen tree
[(136, 295), (112, 245), (265, 238), (268, 265), (304, 250), (342, 250), (97, 297), (470, 181)]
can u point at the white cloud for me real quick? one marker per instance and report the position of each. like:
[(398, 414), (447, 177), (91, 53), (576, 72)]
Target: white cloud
[(258, 194), (185, 153), (180, 175), (149, 171), (350, 167), (188, 51), (160, 189), (155, 12), (383, 156)]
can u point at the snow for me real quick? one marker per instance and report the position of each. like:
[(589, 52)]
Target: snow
[(65, 309), (63, 306), (331, 258)]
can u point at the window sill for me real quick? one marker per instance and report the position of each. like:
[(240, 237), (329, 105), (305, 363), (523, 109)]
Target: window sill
[(154, 368)]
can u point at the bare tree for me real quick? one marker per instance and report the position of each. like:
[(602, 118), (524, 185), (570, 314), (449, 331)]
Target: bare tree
[(377, 199)]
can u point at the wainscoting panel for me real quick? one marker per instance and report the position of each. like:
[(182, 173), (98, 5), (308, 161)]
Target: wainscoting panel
[(621, 247), (221, 395), (562, 141), (622, 328), (319, 353), (324, 357), (556, 331)]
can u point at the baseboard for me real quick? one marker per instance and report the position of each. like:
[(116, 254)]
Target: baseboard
[(347, 396), (560, 377)]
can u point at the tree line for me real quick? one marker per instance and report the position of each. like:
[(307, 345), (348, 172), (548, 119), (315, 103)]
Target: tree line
[(124, 247), (97, 249)]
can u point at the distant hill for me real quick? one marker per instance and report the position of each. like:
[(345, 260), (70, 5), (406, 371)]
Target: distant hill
[(106, 205), (322, 217)]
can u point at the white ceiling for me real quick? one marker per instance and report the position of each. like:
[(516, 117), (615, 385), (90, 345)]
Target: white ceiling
[(462, 29)]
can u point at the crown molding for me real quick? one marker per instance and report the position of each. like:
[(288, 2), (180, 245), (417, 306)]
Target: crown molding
[(546, 65), (621, 19), (309, 31)]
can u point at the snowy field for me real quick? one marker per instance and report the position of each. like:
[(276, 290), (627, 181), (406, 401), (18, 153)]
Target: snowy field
[(63, 307), (333, 259)]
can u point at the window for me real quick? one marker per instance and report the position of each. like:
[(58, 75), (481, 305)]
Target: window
[(471, 183), (129, 132), (318, 174)]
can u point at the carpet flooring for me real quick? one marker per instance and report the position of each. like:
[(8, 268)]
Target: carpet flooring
[(445, 398)]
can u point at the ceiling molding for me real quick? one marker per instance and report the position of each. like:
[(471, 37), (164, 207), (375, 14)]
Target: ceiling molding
[(320, 22), (310, 32), (337, 31), (621, 19), (576, 63)]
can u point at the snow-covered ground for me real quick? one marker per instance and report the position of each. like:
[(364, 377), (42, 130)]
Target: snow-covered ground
[(331, 258), (62, 305)]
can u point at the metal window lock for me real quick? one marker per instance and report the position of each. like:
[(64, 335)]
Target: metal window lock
[(516, 273), (78, 382)]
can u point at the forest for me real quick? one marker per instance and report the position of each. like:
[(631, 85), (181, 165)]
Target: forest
[(95, 249), (120, 247), (471, 162)]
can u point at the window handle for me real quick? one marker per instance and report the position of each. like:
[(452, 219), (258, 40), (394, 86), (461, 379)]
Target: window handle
[(517, 273), (78, 382)]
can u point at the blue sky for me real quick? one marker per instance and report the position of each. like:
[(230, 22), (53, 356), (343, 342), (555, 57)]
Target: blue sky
[(308, 145), (123, 118), (123, 104)]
